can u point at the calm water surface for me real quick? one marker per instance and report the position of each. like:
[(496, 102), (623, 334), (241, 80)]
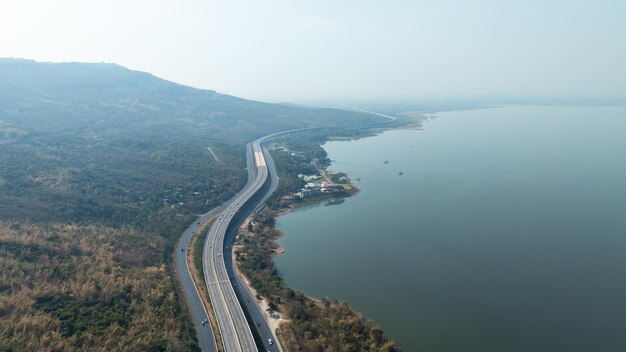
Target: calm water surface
[(506, 232)]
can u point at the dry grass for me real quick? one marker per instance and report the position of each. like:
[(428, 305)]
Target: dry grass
[(79, 288)]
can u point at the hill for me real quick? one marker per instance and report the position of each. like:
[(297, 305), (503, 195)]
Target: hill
[(86, 142), (101, 168)]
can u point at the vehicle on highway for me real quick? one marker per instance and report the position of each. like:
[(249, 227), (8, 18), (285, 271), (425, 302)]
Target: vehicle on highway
[(270, 341)]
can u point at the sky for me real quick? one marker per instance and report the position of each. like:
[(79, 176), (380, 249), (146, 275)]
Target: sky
[(341, 50)]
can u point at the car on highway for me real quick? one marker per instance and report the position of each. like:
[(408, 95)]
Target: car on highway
[(270, 341)]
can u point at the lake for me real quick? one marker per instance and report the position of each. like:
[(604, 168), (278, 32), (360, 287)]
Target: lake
[(506, 231)]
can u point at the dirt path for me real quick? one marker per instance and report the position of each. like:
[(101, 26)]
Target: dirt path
[(213, 154)]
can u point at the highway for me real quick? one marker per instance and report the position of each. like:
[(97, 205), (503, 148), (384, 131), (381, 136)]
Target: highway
[(226, 291), (256, 314), (206, 338), (199, 313), (231, 320), (221, 281)]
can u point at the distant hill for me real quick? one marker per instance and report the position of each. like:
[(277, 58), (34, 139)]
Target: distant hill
[(106, 98), (99, 142)]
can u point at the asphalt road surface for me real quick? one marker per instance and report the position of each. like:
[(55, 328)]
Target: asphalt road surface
[(199, 314), (239, 317), (231, 320)]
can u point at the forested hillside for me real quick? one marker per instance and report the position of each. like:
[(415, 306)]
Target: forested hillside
[(98, 142), (121, 157)]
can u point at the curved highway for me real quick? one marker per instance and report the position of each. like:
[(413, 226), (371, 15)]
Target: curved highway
[(200, 316), (219, 277), (199, 313), (231, 320)]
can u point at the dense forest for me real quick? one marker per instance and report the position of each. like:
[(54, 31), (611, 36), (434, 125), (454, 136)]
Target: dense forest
[(101, 168), (98, 142)]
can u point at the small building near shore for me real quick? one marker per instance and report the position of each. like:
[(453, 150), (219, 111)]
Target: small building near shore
[(309, 192), (309, 178)]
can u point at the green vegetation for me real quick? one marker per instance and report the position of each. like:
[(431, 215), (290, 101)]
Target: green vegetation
[(88, 316), (198, 247), (304, 155), (289, 166), (100, 143), (120, 158)]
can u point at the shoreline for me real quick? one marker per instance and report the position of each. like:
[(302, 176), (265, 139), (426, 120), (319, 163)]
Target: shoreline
[(273, 322), (258, 245), (291, 313), (294, 206)]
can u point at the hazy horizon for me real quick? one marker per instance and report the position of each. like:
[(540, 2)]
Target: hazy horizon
[(351, 51)]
